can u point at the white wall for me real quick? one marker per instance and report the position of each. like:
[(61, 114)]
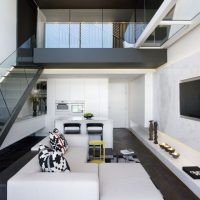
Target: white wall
[(186, 46), (8, 21), (118, 103), (148, 98), (141, 100), (137, 101), (183, 63), (93, 91)]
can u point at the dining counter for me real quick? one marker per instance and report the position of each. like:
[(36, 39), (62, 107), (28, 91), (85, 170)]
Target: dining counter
[(107, 126)]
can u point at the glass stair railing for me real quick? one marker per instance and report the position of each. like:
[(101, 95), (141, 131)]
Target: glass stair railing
[(16, 83), (14, 90), (7, 65)]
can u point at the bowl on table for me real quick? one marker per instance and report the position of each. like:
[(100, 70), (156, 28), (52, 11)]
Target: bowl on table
[(162, 145), (171, 150), (175, 154), (166, 147)]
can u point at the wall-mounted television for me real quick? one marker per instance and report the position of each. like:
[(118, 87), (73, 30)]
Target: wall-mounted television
[(190, 98)]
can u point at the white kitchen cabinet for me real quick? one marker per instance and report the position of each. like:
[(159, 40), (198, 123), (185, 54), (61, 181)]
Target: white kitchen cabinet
[(92, 96), (103, 97), (94, 92), (96, 96), (62, 89), (77, 92)]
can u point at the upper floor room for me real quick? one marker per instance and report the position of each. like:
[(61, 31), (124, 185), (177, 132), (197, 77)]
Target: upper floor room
[(144, 24), (131, 33)]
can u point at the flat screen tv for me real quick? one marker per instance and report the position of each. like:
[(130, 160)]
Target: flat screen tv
[(190, 98)]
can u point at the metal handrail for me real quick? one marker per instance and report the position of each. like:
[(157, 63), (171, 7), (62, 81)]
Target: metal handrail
[(7, 57)]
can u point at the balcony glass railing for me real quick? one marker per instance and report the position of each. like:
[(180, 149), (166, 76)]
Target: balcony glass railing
[(25, 51), (93, 28), (161, 34), (91, 35), (177, 22)]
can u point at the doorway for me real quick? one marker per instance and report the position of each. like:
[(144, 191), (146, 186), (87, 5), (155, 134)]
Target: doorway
[(118, 103)]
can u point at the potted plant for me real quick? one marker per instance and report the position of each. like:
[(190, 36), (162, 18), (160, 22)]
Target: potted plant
[(88, 115), (35, 101)]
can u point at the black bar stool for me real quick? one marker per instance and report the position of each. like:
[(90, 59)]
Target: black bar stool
[(72, 128), (93, 131)]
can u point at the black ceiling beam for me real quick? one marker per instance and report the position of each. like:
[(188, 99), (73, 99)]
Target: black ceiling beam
[(126, 57), (99, 4)]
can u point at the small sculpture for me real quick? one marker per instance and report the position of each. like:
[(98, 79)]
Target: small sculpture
[(151, 130), (155, 133)]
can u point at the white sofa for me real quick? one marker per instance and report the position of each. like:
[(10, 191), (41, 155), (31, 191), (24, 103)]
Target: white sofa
[(128, 181), (81, 183), (77, 152), (86, 181)]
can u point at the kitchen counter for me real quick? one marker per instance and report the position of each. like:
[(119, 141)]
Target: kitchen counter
[(107, 128), (80, 118)]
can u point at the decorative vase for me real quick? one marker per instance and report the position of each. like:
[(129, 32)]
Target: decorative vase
[(155, 132), (151, 130), (34, 110)]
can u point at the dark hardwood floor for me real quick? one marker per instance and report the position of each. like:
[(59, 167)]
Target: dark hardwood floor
[(169, 185), (18, 154)]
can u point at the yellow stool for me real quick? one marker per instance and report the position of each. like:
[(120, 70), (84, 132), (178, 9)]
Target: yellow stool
[(102, 154)]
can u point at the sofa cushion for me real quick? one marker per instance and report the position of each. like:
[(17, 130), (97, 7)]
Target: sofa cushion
[(53, 186), (126, 181), (58, 141), (76, 155), (52, 161), (79, 140)]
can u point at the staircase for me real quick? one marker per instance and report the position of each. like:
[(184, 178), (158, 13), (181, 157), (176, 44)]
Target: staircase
[(16, 83)]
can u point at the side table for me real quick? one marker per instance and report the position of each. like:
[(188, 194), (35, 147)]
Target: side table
[(127, 155)]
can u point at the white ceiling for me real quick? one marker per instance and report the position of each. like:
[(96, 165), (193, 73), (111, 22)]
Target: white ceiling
[(109, 76), (112, 74)]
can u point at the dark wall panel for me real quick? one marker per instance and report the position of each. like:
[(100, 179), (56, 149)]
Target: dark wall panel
[(27, 20)]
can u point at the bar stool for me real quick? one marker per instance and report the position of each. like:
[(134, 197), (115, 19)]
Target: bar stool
[(95, 129), (101, 156), (72, 128)]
